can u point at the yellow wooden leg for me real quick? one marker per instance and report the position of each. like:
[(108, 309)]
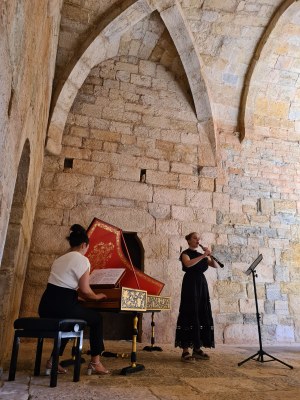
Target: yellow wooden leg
[(152, 347), (134, 366)]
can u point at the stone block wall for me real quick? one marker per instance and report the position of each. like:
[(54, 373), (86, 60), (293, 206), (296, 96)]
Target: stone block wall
[(134, 153), (135, 164), (28, 43), (264, 222)]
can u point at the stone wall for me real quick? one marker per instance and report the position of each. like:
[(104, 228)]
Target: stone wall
[(133, 141), (28, 41), (260, 217), (134, 145)]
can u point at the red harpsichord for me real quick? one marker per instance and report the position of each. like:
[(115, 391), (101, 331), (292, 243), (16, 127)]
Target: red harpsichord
[(105, 251)]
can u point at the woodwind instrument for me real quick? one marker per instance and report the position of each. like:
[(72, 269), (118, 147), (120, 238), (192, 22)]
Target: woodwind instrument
[(214, 258)]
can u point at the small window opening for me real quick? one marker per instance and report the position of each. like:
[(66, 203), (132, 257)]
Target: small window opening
[(143, 176), (68, 163), (199, 169), (258, 205)]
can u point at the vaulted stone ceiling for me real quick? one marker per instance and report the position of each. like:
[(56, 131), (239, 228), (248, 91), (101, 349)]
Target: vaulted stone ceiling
[(135, 32), (237, 43), (272, 103)]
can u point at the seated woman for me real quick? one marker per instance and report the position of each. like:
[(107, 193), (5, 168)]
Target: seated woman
[(70, 273)]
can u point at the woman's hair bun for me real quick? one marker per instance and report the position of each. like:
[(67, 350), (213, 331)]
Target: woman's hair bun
[(76, 228), (77, 235), (189, 236)]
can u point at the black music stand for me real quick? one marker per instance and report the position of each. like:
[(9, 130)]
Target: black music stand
[(260, 353)]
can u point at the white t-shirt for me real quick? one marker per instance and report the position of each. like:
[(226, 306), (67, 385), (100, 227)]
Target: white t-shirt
[(68, 269)]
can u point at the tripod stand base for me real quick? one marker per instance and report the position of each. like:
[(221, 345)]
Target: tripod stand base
[(131, 369), (260, 357), (152, 348)]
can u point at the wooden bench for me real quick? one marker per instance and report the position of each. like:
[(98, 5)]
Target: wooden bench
[(48, 328)]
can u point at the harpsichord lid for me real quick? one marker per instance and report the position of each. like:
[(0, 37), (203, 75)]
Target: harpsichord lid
[(105, 251)]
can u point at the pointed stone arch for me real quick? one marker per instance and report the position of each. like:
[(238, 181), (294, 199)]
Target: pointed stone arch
[(248, 93), (106, 46)]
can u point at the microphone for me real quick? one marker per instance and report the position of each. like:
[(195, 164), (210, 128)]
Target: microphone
[(214, 258)]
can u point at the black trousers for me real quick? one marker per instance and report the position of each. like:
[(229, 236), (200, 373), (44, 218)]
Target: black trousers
[(58, 302)]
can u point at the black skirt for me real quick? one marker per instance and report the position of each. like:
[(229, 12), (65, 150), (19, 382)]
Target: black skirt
[(59, 302), (195, 327)]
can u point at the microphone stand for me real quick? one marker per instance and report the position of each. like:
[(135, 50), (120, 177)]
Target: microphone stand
[(260, 353)]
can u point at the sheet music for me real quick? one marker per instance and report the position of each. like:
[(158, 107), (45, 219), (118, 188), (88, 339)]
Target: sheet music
[(106, 276), (254, 264)]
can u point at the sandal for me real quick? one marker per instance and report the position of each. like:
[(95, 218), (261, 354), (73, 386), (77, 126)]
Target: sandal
[(60, 369), (200, 355), (186, 357), (93, 368)]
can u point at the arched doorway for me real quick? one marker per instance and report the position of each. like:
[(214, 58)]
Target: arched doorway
[(14, 261)]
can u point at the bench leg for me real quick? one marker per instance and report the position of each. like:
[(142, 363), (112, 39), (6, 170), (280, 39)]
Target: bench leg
[(77, 363), (14, 357), (55, 356), (38, 356)]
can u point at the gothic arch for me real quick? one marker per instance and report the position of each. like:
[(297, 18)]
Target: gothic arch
[(106, 45), (251, 85)]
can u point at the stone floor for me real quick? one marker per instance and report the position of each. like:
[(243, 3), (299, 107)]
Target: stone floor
[(167, 378)]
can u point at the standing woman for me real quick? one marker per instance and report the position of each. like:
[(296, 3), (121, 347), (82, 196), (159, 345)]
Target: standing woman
[(60, 300), (195, 328)]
